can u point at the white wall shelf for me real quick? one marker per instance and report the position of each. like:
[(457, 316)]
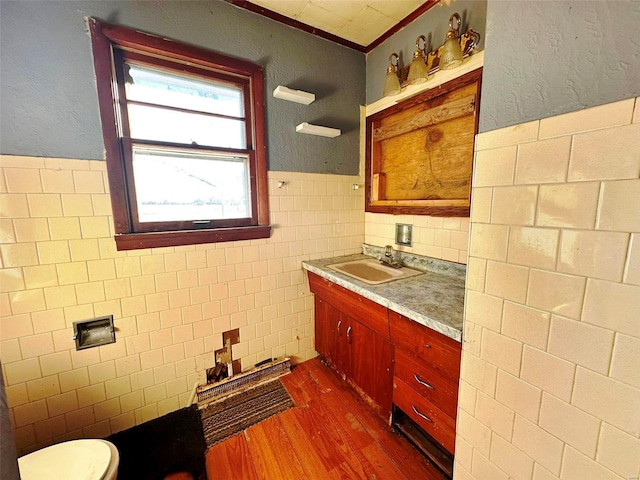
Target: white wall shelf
[(311, 129), (305, 98), (298, 96)]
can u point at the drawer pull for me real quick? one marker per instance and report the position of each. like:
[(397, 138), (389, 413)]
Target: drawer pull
[(428, 345), (422, 382), (421, 415), (339, 324), (349, 334)]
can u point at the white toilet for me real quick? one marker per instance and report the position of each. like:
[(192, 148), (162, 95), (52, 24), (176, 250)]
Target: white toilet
[(74, 460)]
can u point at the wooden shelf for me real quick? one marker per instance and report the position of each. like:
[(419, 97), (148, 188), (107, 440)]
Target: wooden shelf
[(470, 63)]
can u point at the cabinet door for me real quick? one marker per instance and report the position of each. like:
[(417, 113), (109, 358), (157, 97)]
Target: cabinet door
[(330, 330), (370, 364), (325, 331)]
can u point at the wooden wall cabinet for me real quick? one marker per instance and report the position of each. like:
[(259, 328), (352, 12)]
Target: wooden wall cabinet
[(419, 152)]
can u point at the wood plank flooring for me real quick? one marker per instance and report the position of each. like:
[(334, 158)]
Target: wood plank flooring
[(329, 434)]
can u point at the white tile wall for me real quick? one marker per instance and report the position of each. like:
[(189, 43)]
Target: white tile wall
[(550, 377), (445, 238), (171, 305)]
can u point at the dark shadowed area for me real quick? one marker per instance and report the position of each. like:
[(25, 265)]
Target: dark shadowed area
[(171, 443)]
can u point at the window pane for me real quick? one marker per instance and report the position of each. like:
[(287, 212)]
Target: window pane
[(151, 123), (182, 186), (163, 88)]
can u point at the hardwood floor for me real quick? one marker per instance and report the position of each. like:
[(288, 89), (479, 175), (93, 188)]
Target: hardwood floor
[(329, 434)]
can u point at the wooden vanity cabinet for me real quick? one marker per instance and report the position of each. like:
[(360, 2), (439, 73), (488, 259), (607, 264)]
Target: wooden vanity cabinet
[(406, 371), (352, 335), (425, 386)]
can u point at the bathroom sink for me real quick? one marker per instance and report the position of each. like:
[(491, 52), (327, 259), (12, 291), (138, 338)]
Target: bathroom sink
[(371, 271)]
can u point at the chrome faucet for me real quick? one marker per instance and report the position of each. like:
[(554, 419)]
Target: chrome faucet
[(388, 259)]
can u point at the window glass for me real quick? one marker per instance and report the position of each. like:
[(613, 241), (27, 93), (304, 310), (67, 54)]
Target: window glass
[(182, 186), (152, 123), (151, 85)]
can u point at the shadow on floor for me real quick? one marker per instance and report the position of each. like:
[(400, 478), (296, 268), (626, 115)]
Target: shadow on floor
[(154, 449)]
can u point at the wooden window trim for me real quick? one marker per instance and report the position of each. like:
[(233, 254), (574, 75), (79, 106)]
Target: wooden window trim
[(105, 38)]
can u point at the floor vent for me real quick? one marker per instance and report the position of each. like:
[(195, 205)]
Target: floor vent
[(214, 392)]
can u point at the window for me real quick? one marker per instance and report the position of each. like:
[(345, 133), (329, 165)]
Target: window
[(184, 139)]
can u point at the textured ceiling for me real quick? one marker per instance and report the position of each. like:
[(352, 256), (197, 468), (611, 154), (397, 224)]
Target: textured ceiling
[(359, 21)]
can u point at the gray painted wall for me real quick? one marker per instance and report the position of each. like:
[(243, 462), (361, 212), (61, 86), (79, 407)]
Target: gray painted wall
[(433, 25), (48, 100), (546, 58)]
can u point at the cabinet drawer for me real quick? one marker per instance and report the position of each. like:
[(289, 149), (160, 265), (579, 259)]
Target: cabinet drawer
[(428, 382), (440, 351), (429, 417), (370, 314)]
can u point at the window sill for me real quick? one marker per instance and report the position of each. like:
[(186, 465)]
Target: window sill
[(134, 241)]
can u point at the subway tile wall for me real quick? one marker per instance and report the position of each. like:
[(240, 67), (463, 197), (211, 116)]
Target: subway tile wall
[(550, 377), (445, 238), (171, 305)]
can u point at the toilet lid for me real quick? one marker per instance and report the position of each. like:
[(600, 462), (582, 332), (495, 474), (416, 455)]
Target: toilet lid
[(74, 460)]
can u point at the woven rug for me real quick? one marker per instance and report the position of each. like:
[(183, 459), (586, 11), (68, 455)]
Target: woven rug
[(223, 419)]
